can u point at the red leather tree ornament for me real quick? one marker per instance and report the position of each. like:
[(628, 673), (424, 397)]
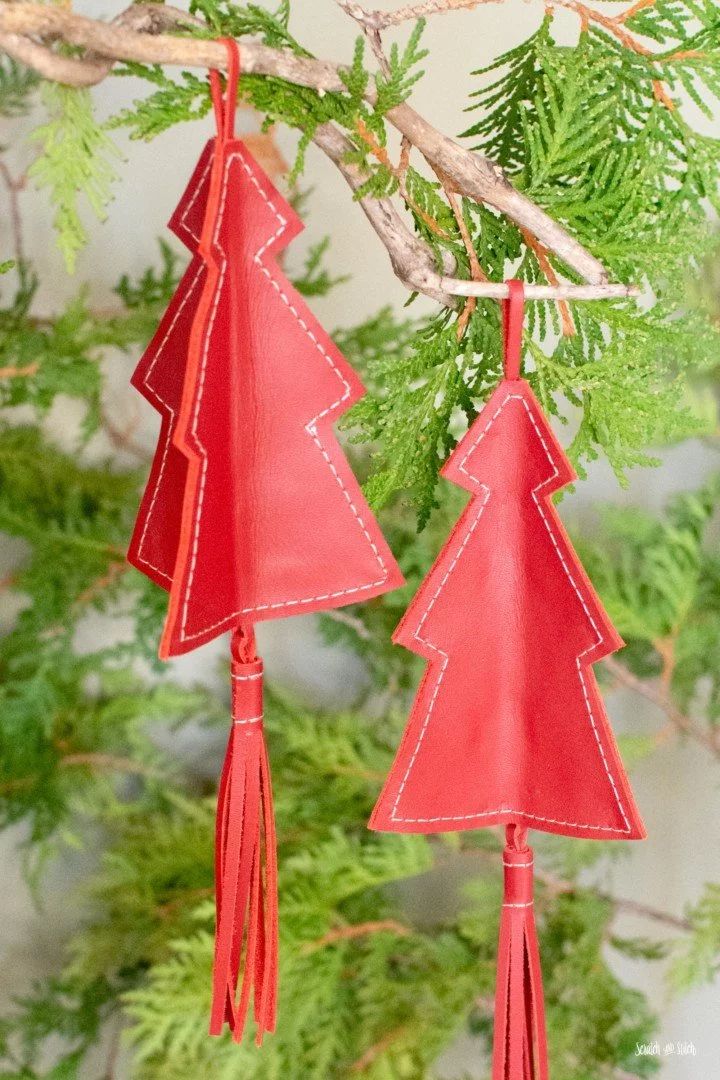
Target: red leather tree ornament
[(273, 520), (508, 726), (251, 511)]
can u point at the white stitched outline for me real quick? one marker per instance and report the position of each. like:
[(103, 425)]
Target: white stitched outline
[(166, 449), (446, 658), (198, 188), (251, 720), (168, 441), (246, 678), (310, 427), (530, 904)]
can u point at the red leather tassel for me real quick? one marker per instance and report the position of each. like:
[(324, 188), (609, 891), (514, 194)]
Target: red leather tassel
[(520, 1045), (246, 933)]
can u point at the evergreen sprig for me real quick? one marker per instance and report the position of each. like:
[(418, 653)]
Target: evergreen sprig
[(581, 130), (16, 86), (78, 157)]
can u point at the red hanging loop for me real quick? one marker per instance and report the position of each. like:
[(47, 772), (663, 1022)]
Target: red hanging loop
[(513, 312), (217, 101), (225, 107), (242, 644)]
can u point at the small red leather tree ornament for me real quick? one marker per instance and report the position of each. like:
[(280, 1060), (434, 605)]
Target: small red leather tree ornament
[(252, 511), (508, 726)]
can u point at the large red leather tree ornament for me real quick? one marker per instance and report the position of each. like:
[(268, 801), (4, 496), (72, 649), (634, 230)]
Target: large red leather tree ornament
[(251, 511), (508, 726)]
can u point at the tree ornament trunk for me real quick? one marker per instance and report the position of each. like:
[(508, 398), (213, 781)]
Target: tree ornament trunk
[(520, 1044)]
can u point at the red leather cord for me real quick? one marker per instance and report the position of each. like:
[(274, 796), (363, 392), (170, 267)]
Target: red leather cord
[(225, 107), (512, 328), (516, 836), (242, 645), (216, 93)]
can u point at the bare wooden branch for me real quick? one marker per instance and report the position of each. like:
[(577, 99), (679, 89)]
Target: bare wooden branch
[(375, 21), (27, 30), (659, 696), (112, 762), (14, 186), (412, 260), (558, 886), (116, 41), (382, 20), (356, 930), (498, 290)]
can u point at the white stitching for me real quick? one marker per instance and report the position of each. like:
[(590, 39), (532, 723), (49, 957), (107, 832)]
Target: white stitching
[(531, 863), (156, 396), (445, 661), (183, 223), (168, 440), (435, 648), (246, 678), (530, 904), (310, 427), (250, 720)]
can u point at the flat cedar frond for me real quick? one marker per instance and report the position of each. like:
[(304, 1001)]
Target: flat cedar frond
[(77, 158), (17, 84), (582, 131)]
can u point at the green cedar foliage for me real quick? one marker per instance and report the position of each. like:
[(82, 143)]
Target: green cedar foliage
[(16, 84), (369, 987), (660, 582), (77, 159)]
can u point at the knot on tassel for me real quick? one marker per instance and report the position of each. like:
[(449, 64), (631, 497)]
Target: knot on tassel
[(518, 873), (519, 1045), (246, 932), (247, 693)]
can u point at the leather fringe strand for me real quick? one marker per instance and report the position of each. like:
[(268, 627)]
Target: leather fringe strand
[(246, 934)]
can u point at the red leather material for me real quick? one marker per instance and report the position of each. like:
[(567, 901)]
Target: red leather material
[(289, 530), (519, 1043), (251, 510), (159, 377), (273, 521), (246, 931), (508, 724)]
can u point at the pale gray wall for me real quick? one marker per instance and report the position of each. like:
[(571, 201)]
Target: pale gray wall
[(677, 789)]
